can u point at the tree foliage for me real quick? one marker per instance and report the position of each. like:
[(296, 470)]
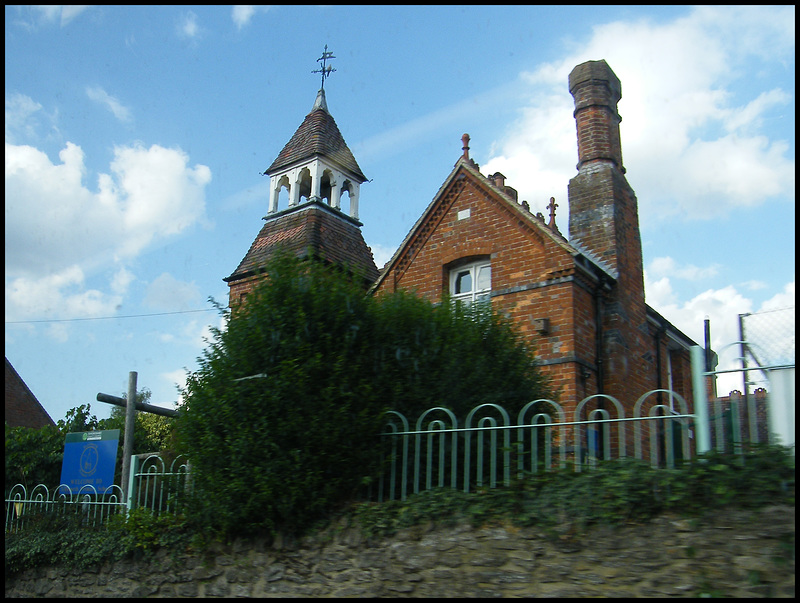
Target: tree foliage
[(283, 416), (33, 456)]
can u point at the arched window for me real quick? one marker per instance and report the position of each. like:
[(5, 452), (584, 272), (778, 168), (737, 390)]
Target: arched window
[(326, 185), (304, 184), (283, 193), (472, 282)]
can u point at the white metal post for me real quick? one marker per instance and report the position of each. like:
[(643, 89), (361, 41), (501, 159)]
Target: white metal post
[(700, 400), (129, 492)]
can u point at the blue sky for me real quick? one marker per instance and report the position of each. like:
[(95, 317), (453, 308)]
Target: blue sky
[(135, 137)]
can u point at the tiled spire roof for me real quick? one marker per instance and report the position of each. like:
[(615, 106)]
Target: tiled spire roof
[(317, 135), (313, 229)]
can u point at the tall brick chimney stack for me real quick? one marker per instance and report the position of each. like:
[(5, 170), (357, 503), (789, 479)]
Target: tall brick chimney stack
[(597, 91), (603, 211), (604, 219)]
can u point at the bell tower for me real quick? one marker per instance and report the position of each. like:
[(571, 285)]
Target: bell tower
[(316, 165), (317, 170)]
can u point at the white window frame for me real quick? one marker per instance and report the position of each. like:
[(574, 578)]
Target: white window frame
[(476, 270)]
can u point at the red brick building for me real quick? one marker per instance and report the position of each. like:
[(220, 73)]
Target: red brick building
[(22, 407), (579, 300)]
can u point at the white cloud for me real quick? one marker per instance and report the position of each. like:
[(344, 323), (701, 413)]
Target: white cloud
[(720, 306), (157, 193), (57, 229), (58, 332), (53, 219), (168, 293), (784, 299), (381, 254), (200, 334), (418, 131), (62, 294), (770, 329), (717, 304), (754, 285), (680, 114), (20, 122), (62, 14), (188, 28), (750, 117), (175, 380), (70, 11), (666, 266), (194, 334), (242, 14), (97, 94), (121, 281)]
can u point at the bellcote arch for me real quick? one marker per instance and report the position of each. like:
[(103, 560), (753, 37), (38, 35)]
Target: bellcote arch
[(317, 180)]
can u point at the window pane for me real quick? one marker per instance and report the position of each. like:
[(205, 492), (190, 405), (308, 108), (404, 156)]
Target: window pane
[(484, 278), (463, 282)]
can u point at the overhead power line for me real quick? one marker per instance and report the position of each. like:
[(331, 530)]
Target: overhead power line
[(18, 322)]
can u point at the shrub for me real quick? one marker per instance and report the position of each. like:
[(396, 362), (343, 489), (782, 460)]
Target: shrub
[(33, 456), (62, 537), (274, 453), (283, 417)]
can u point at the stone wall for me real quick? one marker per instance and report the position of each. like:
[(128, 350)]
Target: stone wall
[(732, 554)]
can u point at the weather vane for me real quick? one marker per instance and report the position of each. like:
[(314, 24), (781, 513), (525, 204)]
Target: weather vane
[(326, 69)]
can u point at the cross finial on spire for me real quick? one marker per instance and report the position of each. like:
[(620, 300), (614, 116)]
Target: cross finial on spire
[(326, 69)]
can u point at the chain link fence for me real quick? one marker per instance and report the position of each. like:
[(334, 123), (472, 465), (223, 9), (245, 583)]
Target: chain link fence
[(769, 337)]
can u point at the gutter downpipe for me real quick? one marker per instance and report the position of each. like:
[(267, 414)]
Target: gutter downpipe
[(660, 425), (598, 318), (601, 403)]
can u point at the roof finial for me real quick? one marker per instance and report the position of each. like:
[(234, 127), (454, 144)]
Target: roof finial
[(465, 146), (326, 69), (552, 207)]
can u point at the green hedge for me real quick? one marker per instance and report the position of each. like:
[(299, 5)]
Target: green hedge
[(283, 417)]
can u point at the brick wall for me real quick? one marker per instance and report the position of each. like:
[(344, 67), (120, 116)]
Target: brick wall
[(579, 303), (596, 336), (533, 274)]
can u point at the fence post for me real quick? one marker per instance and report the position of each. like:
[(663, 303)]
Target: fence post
[(131, 481), (700, 400)]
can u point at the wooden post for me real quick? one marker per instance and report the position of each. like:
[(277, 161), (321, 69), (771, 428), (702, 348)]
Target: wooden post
[(156, 410), (127, 442)]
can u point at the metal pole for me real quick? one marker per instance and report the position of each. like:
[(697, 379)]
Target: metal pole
[(127, 442), (744, 365), (128, 497), (700, 400)]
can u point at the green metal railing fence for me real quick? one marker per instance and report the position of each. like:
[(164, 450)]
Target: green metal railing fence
[(485, 450), (93, 506), (154, 485), (488, 448)]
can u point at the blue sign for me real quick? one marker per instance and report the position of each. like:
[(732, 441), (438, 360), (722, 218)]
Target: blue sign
[(89, 460)]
